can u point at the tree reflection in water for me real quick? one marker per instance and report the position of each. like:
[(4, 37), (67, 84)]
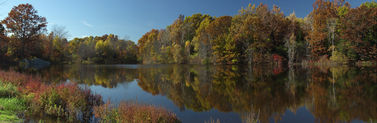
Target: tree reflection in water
[(257, 93)]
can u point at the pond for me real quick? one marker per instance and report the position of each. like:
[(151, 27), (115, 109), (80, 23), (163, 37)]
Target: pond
[(198, 93)]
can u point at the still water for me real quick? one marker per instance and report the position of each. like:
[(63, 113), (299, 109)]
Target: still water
[(234, 94)]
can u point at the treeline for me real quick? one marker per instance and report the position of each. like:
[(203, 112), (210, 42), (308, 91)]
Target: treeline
[(25, 37), (107, 49), (333, 33)]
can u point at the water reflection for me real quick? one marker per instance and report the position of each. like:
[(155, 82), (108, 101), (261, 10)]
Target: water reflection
[(256, 93), (106, 76)]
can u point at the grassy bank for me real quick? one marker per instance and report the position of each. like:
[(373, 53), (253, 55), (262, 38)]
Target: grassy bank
[(23, 95), (10, 108), (11, 105)]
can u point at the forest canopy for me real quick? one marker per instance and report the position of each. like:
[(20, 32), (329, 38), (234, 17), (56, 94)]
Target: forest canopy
[(332, 32)]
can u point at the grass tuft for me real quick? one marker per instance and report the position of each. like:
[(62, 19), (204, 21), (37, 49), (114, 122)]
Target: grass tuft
[(7, 90)]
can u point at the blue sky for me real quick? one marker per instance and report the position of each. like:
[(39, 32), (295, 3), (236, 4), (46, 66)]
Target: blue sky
[(132, 18)]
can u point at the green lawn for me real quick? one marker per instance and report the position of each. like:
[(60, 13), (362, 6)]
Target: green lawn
[(8, 116), (10, 103)]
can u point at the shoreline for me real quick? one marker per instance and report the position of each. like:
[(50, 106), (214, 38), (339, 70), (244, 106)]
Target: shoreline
[(28, 95)]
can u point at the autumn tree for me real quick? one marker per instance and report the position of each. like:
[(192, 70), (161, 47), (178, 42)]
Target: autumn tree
[(325, 18), (54, 45), (218, 33), (147, 51), (243, 32), (59, 31), (86, 49), (359, 32), (58, 49), (189, 27), (126, 52), (2, 30), (165, 55), (259, 32), (202, 51), (105, 49), (25, 26), (295, 39), (190, 24), (3, 40)]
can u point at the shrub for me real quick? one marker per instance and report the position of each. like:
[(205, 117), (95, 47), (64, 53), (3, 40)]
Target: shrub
[(51, 102), (66, 101), (128, 112)]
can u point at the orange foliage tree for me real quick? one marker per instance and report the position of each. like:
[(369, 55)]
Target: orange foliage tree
[(25, 25)]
